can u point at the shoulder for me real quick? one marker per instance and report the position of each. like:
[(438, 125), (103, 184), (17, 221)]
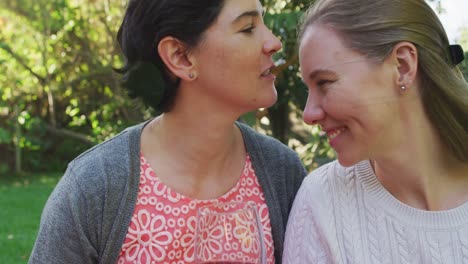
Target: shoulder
[(317, 181), (102, 174), (326, 178), (109, 148), (109, 162), (110, 151)]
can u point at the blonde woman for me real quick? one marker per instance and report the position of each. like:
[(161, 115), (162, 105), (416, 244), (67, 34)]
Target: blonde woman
[(384, 86)]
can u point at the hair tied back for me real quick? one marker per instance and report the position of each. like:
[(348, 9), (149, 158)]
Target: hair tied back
[(456, 54), (145, 79)]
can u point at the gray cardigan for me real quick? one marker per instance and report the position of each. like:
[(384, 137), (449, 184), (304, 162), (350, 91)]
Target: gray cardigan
[(87, 216)]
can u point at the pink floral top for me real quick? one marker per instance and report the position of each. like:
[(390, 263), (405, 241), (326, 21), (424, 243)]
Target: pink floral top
[(162, 228)]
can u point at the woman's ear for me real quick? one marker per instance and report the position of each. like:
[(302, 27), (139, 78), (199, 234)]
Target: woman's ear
[(176, 57), (405, 55)]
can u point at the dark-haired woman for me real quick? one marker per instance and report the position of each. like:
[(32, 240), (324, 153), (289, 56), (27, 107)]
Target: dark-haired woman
[(133, 198)]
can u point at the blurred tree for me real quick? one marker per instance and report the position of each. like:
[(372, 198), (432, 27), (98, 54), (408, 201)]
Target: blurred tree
[(57, 57)]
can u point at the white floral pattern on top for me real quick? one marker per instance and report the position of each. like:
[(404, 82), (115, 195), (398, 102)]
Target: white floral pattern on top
[(163, 224)]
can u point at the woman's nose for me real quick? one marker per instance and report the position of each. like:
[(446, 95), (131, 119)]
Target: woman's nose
[(313, 111), (272, 44)]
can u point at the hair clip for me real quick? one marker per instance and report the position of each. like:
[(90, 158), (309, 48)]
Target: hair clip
[(456, 54)]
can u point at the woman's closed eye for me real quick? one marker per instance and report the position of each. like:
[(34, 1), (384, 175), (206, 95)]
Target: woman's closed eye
[(249, 29), (323, 83)]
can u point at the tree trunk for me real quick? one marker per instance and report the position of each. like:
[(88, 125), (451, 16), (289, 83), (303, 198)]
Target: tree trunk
[(279, 121), (18, 167)]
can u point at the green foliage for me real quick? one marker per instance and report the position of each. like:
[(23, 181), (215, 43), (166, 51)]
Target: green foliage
[(317, 152), (5, 136), (58, 57)]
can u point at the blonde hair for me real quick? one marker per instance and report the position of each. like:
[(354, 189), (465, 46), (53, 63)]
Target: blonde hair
[(374, 27)]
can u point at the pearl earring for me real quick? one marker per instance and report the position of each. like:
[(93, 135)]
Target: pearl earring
[(402, 88)]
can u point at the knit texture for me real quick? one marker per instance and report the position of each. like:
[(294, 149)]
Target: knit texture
[(344, 215)]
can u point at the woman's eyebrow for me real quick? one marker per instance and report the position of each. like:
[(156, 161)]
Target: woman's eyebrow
[(253, 13), (315, 73)]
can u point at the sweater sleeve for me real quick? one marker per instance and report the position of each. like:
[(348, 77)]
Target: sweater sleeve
[(304, 241), (62, 236)]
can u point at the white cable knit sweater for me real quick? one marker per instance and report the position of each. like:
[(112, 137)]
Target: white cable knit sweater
[(344, 215)]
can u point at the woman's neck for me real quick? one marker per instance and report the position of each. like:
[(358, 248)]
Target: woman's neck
[(423, 173), (201, 157), (198, 141)]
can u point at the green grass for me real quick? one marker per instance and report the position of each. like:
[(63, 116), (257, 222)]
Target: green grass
[(21, 201)]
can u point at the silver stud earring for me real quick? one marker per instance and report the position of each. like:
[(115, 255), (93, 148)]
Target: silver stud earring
[(190, 75), (402, 89)]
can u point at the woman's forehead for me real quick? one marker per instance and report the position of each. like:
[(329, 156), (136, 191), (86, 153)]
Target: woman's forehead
[(233, 9)]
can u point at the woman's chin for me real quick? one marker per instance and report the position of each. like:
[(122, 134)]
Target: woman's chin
[(265, 102)]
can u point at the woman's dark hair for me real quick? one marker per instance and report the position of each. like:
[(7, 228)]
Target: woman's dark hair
[(145, 23)]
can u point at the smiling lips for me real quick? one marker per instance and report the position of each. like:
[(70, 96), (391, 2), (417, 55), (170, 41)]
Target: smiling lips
[(333, 133)]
